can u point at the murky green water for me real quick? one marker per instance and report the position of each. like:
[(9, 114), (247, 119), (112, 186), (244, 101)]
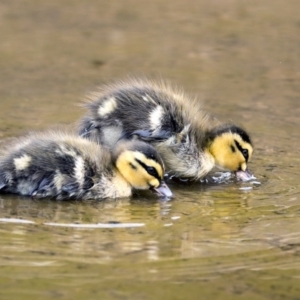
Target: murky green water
[(213, 241)]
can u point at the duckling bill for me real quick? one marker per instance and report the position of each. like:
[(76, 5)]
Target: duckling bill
[(62, 166), (190, 141)]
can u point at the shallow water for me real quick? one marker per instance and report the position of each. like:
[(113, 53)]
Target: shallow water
[(214, 240)]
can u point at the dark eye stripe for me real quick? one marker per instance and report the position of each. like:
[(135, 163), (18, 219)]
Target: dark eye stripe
[(150, 170), (132, 166), (243, 151)]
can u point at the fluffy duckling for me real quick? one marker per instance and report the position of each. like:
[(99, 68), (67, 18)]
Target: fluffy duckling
[(190, 142), (63, 166)]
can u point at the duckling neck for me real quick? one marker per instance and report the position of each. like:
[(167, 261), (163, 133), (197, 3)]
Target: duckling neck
[(114, 186), (208, 162), (118, 186), (210, 150)]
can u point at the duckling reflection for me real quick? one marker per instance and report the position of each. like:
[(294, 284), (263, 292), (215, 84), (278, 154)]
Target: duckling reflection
[(63, 166), (190, 142)]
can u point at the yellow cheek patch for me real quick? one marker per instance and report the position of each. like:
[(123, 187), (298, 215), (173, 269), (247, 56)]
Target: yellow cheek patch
[(244, 166), (226, 153), (135, 173), (154, 182)]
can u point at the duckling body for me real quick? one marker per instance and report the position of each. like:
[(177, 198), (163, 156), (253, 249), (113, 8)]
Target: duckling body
[(63, 166), (190, 141)]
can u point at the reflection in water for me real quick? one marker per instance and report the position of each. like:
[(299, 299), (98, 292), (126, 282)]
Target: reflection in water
[(98, 225), (216, 224), (209, 229)]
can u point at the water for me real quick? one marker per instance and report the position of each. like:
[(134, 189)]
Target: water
[(215, 240)]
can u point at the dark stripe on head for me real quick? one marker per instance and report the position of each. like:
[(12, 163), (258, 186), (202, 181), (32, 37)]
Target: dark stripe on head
[(132, 166), (230, 128), (148, 150), (243, 151), (150, 170)]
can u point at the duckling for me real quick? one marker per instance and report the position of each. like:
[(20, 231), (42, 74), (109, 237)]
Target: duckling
[(190, 141), (64, 166)]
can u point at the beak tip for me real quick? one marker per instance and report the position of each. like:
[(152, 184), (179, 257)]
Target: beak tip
[(164, 191), (244, 175)]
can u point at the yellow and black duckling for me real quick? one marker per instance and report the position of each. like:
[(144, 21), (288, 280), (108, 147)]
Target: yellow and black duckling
[(190, 142), (63, 166)]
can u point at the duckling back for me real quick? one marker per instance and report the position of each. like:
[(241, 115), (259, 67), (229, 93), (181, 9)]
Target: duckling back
[(54, 165), (64, 166), (173, 123)]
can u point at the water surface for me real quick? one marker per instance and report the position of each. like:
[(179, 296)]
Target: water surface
[(213, 241)]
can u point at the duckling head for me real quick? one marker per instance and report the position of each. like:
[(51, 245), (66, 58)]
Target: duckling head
[(231, 149), (141, 166)]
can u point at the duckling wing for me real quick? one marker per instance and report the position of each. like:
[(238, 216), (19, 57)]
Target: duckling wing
[(3, 183), (58, 167), (70, 189), (150, 136), (37, 183), (42, 185)]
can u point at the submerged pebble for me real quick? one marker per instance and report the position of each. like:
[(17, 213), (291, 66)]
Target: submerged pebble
[(221, 177), (244, 175), (97, 225), (246, 188), (15, 220), (255, 182)]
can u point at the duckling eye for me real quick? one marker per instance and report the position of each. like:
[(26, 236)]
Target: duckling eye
[(152, 171), (245, 153)]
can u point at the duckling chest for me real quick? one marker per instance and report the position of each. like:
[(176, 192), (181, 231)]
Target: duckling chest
[(114, 187)]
